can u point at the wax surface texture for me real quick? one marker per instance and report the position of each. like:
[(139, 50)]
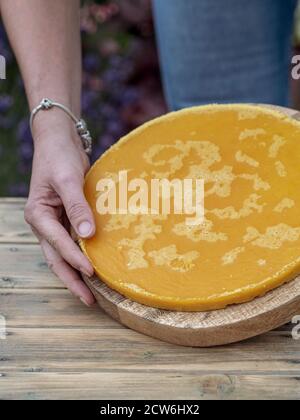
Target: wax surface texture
[(249, 242)]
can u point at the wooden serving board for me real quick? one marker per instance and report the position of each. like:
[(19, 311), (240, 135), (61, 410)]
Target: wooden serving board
[(204, 329)]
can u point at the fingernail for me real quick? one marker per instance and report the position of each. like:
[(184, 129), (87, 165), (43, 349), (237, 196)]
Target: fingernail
[(85, 303), (88, 273), (85, 229)]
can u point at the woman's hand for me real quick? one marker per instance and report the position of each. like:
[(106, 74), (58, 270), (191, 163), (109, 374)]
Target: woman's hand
[(53, 69), (56, 202)]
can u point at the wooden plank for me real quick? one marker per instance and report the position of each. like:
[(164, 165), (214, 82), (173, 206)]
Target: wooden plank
[(12, 200), (153, 385), (13, 228), (51, 308), (110, 349), (23, 266)]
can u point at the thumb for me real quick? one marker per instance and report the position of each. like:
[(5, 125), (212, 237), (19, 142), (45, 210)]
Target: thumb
[(77, 209)]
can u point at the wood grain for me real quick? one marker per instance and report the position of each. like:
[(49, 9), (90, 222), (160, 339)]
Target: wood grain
[(81, 349), (26, 267), (147, 386), (12, 226)]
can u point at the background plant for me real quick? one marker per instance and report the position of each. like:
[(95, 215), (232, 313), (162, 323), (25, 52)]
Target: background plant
[(121, 85)]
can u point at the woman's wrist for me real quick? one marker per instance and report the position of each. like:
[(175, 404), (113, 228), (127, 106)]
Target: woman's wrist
[(81, 127), (51, 123)]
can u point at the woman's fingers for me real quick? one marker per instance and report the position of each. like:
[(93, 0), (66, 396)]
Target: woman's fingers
[(76, 206), (66, 274), (45, 222)]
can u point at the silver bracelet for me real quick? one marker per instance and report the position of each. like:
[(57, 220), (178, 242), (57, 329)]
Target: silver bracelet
[(81, 126)]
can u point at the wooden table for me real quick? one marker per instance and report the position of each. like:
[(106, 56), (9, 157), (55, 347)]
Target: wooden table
[(57, 348)]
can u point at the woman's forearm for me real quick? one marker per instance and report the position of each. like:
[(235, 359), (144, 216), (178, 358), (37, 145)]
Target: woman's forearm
[(45, 36)]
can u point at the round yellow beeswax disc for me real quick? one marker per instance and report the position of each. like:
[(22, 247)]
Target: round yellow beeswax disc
[(249, 242)]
